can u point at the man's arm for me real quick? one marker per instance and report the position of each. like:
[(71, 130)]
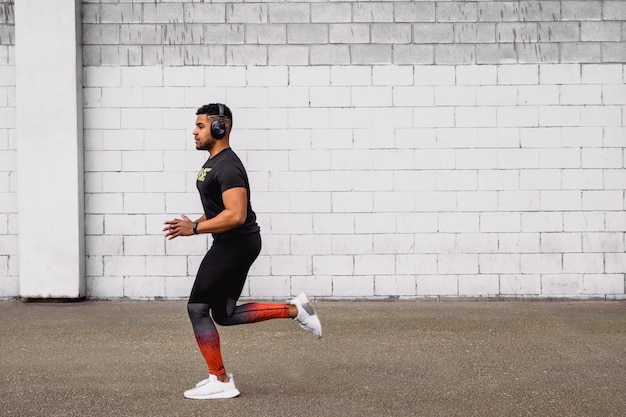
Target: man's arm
[(234, 214)]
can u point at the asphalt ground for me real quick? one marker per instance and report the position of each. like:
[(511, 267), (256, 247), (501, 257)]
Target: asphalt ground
[(403, 358)]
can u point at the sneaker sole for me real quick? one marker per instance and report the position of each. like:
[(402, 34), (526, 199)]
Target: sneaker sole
[(216, 396), (306, 306), (319, 326)]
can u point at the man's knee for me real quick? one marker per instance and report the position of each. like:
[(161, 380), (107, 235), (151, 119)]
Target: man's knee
[(222, 316), (197, 310)]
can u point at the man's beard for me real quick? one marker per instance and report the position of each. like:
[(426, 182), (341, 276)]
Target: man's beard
[(201, 147)]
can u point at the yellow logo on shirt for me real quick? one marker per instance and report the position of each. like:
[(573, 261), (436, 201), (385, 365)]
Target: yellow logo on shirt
[(202, 173)]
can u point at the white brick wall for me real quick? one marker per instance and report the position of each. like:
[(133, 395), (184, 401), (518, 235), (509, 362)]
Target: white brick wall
[(493, 212), (9, 273), (395, 149)]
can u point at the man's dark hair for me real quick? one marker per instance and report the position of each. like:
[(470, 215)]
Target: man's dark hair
[(214, 110)]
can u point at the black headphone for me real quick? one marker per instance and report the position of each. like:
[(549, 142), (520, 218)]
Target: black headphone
[(218, 127)]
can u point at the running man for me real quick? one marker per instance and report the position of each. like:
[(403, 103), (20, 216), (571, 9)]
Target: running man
[(225, 194)]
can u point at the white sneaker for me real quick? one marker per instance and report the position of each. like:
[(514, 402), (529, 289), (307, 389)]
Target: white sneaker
[(307, 319), (212, 388), (204, 381)]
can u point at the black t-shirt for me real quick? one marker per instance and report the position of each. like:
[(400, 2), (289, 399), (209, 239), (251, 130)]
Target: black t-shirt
[(218, 174)]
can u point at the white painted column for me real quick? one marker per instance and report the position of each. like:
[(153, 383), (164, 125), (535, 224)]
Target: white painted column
[(49, 148)]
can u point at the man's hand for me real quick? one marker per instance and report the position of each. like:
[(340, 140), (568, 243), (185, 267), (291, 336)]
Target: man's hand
[(178, 227)]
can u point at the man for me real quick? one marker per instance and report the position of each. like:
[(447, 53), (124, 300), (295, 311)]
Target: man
[(225, 194)]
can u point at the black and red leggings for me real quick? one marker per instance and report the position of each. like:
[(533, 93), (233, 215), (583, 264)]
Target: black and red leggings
[(215, 292)]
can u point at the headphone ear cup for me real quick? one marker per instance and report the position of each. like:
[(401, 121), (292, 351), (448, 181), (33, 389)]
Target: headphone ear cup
[(218, 128)]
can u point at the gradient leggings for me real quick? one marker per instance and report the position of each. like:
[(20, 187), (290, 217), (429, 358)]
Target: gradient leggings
[(215, 292)]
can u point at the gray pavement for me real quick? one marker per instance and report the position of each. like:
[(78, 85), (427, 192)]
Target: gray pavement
[(404, 358)]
